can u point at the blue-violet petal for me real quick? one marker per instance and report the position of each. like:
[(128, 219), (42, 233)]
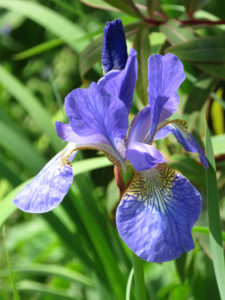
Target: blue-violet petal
[(184, 138), (122, 83), (114, 48), (143, 156), (156, 214), (49, 187), (165, 74)]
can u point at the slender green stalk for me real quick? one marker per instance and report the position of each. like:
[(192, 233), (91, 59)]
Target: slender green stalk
[(16, 295), (129, 283), (139, 278), (205, 230)]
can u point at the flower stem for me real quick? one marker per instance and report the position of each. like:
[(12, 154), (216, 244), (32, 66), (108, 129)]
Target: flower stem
[(139, 278)]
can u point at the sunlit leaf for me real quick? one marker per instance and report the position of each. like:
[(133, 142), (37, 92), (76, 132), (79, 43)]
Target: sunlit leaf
[(51, 20), (99, 4), (141, 44), (31, 104), (215, 235), (207, 49)]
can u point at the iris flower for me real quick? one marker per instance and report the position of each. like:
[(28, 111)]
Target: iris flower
[(160, 206)]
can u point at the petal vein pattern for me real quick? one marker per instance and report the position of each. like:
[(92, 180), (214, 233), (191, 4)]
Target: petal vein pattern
[(93, 111), (51, 184), (165, 74), (157, 213), (121, 84)]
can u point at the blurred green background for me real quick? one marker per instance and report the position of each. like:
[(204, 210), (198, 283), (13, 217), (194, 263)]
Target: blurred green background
[(48, 48)]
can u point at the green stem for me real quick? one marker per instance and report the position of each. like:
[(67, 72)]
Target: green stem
[(139, 278), (205, 230)]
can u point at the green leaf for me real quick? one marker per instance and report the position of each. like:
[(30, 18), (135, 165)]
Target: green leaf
[(199, 93), (31, 104), (55, 270), (21, 148), (90, 55), (129, 284), (189, 168), (205, 230), (141, 44), (218, 144), (216, 70), (180, 266), (9, 173), (192, 6), (124, 6), (6, 205), (207, 49), (100, 4), (32, 287), (215, 236), (175, 33), (38, 49), (97, 235), (54, 22), (90, 164), (16, 295)]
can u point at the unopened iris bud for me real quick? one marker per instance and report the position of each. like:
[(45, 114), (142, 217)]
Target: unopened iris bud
[(114, 49)]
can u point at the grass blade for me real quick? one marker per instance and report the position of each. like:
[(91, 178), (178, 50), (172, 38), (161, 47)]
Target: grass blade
[(16, 295), (31, 104), (32, 287), (129, 284), (51, 20), (55, 270), (20, 147), (215, 236)]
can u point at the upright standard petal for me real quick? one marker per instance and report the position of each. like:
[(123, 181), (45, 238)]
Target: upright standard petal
[(122, 83), (114, 48), (165, 74), (143, 156), (49, 187), (178, 129), (140, 126), (93, 112), (156, 214)]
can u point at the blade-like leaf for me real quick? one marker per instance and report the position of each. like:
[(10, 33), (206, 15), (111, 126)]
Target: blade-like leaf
[(39, 49), (21, 148), (32, 288), (175, 33), (215, 235), (55, 270), (51, 20), (129, 284), (207, 49), (100, 4), (141, 44), (199, 93), (124, 6), (31, 104), (218, 144)]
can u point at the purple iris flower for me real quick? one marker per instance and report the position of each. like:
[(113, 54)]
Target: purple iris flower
[(160, 206)]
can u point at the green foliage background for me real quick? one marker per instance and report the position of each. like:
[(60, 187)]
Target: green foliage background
[(48, 48)]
